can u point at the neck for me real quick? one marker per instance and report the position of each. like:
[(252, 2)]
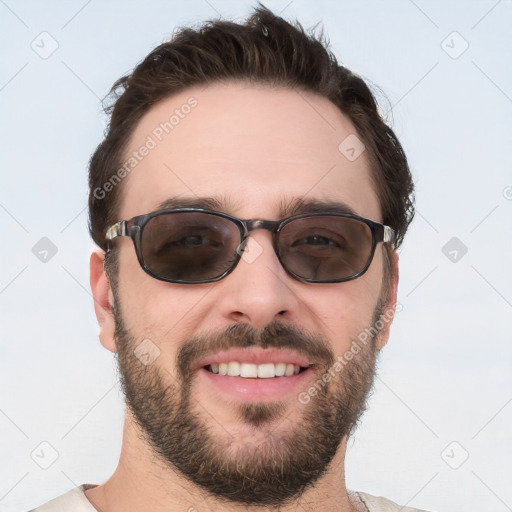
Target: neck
[(142, 481)]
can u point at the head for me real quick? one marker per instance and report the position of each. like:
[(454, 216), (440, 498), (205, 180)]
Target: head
[(255, 121)]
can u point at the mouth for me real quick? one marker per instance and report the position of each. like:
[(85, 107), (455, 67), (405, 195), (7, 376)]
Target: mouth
[(254, 374)]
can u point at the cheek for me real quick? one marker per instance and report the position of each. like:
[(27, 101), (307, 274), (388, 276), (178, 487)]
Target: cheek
[(346, 309), (155, 309), (134, 292)]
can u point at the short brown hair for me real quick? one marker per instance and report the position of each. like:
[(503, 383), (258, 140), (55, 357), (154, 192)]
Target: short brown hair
[(265, 49)]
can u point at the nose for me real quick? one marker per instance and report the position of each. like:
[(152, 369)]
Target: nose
[(259, 290)]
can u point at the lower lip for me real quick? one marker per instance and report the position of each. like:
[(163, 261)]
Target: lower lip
[(253, 388)]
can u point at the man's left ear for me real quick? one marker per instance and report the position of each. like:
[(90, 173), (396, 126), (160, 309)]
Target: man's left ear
[(390, 307)]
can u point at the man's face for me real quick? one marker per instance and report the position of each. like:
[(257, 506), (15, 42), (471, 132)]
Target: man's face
[(256, 152)]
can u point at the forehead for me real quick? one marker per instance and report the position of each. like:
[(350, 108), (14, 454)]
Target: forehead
[(252, 148)]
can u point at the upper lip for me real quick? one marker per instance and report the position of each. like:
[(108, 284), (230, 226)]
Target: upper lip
[(255, 356)]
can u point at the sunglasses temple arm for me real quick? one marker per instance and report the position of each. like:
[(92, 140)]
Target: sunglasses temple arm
[(117, 229), (389, 235)]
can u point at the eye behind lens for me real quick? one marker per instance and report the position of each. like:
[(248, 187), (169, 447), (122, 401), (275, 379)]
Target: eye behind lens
[(325, 248), (189, 246)]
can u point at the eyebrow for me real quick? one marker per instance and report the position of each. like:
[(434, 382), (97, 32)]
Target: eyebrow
[(297, 206), (205, 203), (287, 208)]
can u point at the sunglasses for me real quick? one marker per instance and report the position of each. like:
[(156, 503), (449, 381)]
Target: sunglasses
[(194, 246)]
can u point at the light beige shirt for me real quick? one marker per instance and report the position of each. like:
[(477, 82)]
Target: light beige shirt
[(75, 501)]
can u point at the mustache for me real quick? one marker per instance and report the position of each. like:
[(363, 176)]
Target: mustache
[(274, 335)]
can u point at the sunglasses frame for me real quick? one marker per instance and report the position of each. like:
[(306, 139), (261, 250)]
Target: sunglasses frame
[(134, 227)]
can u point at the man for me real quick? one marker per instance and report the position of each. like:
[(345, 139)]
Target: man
[(248, 201)]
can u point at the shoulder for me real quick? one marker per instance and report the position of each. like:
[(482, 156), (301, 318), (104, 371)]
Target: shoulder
[(74, 498), (379, 504)]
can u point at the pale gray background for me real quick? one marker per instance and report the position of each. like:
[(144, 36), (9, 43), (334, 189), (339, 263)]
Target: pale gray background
[(446, 373)]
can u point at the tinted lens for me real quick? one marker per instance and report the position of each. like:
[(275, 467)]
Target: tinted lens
[(189, 246), (325, 248)]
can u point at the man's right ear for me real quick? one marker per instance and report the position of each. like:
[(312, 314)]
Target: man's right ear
[(103, 300)]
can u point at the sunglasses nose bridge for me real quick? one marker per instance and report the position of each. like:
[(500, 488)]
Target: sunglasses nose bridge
[(269, 225), (258, 224)]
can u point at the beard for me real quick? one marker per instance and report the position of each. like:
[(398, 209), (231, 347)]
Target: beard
[(275, 468)]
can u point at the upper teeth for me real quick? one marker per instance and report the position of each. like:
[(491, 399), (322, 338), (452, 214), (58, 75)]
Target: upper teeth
[(262, 371)]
